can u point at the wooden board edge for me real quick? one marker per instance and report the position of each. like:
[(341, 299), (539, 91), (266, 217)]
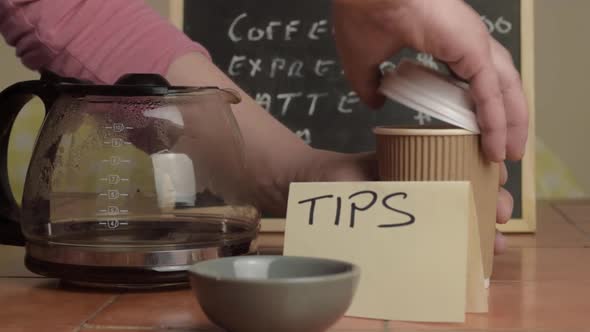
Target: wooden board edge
[(527, 224), (176, 12), (272, 225), (516, 226)]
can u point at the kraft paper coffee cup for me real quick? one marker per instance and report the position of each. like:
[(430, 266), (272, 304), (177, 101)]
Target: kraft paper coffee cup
[(449, 152), (430, 154)]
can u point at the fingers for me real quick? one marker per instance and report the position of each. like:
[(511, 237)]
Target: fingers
[(364, 79), (367, 34), (515, 105), (503, 174), (500, 244), (362, 72), (504, 206), (503, 211), (363, 46), (345, 167), (476, 66)]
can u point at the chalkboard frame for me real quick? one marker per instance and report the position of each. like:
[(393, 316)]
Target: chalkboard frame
[(527, 223)]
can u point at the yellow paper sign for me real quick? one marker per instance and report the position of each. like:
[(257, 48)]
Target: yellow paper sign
[(417, 244)]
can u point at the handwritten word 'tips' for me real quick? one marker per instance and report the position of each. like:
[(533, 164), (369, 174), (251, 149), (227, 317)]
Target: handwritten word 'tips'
[(355, 201)]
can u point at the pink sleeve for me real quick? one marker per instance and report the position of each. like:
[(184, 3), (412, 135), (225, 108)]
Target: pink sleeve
[(90, 39)]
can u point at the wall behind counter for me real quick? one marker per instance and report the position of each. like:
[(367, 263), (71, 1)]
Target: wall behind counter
[(562, 81), (562, 73)]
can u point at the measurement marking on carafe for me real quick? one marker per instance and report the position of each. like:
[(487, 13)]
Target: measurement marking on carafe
[(116, 142), (112, 211), (118, 127), (114, 179), (113, 194), (114, 223), (115, 160)]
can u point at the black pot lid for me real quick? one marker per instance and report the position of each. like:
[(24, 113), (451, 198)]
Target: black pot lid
[(133, 84)]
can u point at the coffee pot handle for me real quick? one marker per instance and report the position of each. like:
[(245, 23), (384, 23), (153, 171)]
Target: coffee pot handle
[(12, 100)]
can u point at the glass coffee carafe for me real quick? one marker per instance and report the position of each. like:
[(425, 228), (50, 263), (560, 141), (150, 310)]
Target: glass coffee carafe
[(128, 184)]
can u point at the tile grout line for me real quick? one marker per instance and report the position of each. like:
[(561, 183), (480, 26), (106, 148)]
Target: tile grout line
[(97, 311), (107, 328), (568, 220)]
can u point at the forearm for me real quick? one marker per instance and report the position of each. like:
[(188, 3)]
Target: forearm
[(369, 8), (93, 40), (274, 155)]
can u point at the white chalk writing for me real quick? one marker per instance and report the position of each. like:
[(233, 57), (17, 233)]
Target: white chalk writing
[(500, 25), (239, 29), (346, 101), (314, 99), (305, 135), (287, 97)]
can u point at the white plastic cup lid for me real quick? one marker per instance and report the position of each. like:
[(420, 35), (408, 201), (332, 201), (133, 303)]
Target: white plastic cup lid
[(425, 90)]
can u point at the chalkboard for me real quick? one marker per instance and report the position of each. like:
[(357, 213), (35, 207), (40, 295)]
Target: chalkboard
[(283, 55)]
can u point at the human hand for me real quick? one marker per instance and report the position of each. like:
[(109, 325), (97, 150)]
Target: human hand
[(369, 32), (274, 166)]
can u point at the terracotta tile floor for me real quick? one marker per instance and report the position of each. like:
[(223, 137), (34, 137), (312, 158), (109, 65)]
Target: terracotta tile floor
[(541, 284), (40, 329), (526, 306), (40, 303), (553, 231), (111, 329), (172, 309), (577, 213)]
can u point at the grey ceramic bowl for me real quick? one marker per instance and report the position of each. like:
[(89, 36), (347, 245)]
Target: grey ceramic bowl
[(274, 293)]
